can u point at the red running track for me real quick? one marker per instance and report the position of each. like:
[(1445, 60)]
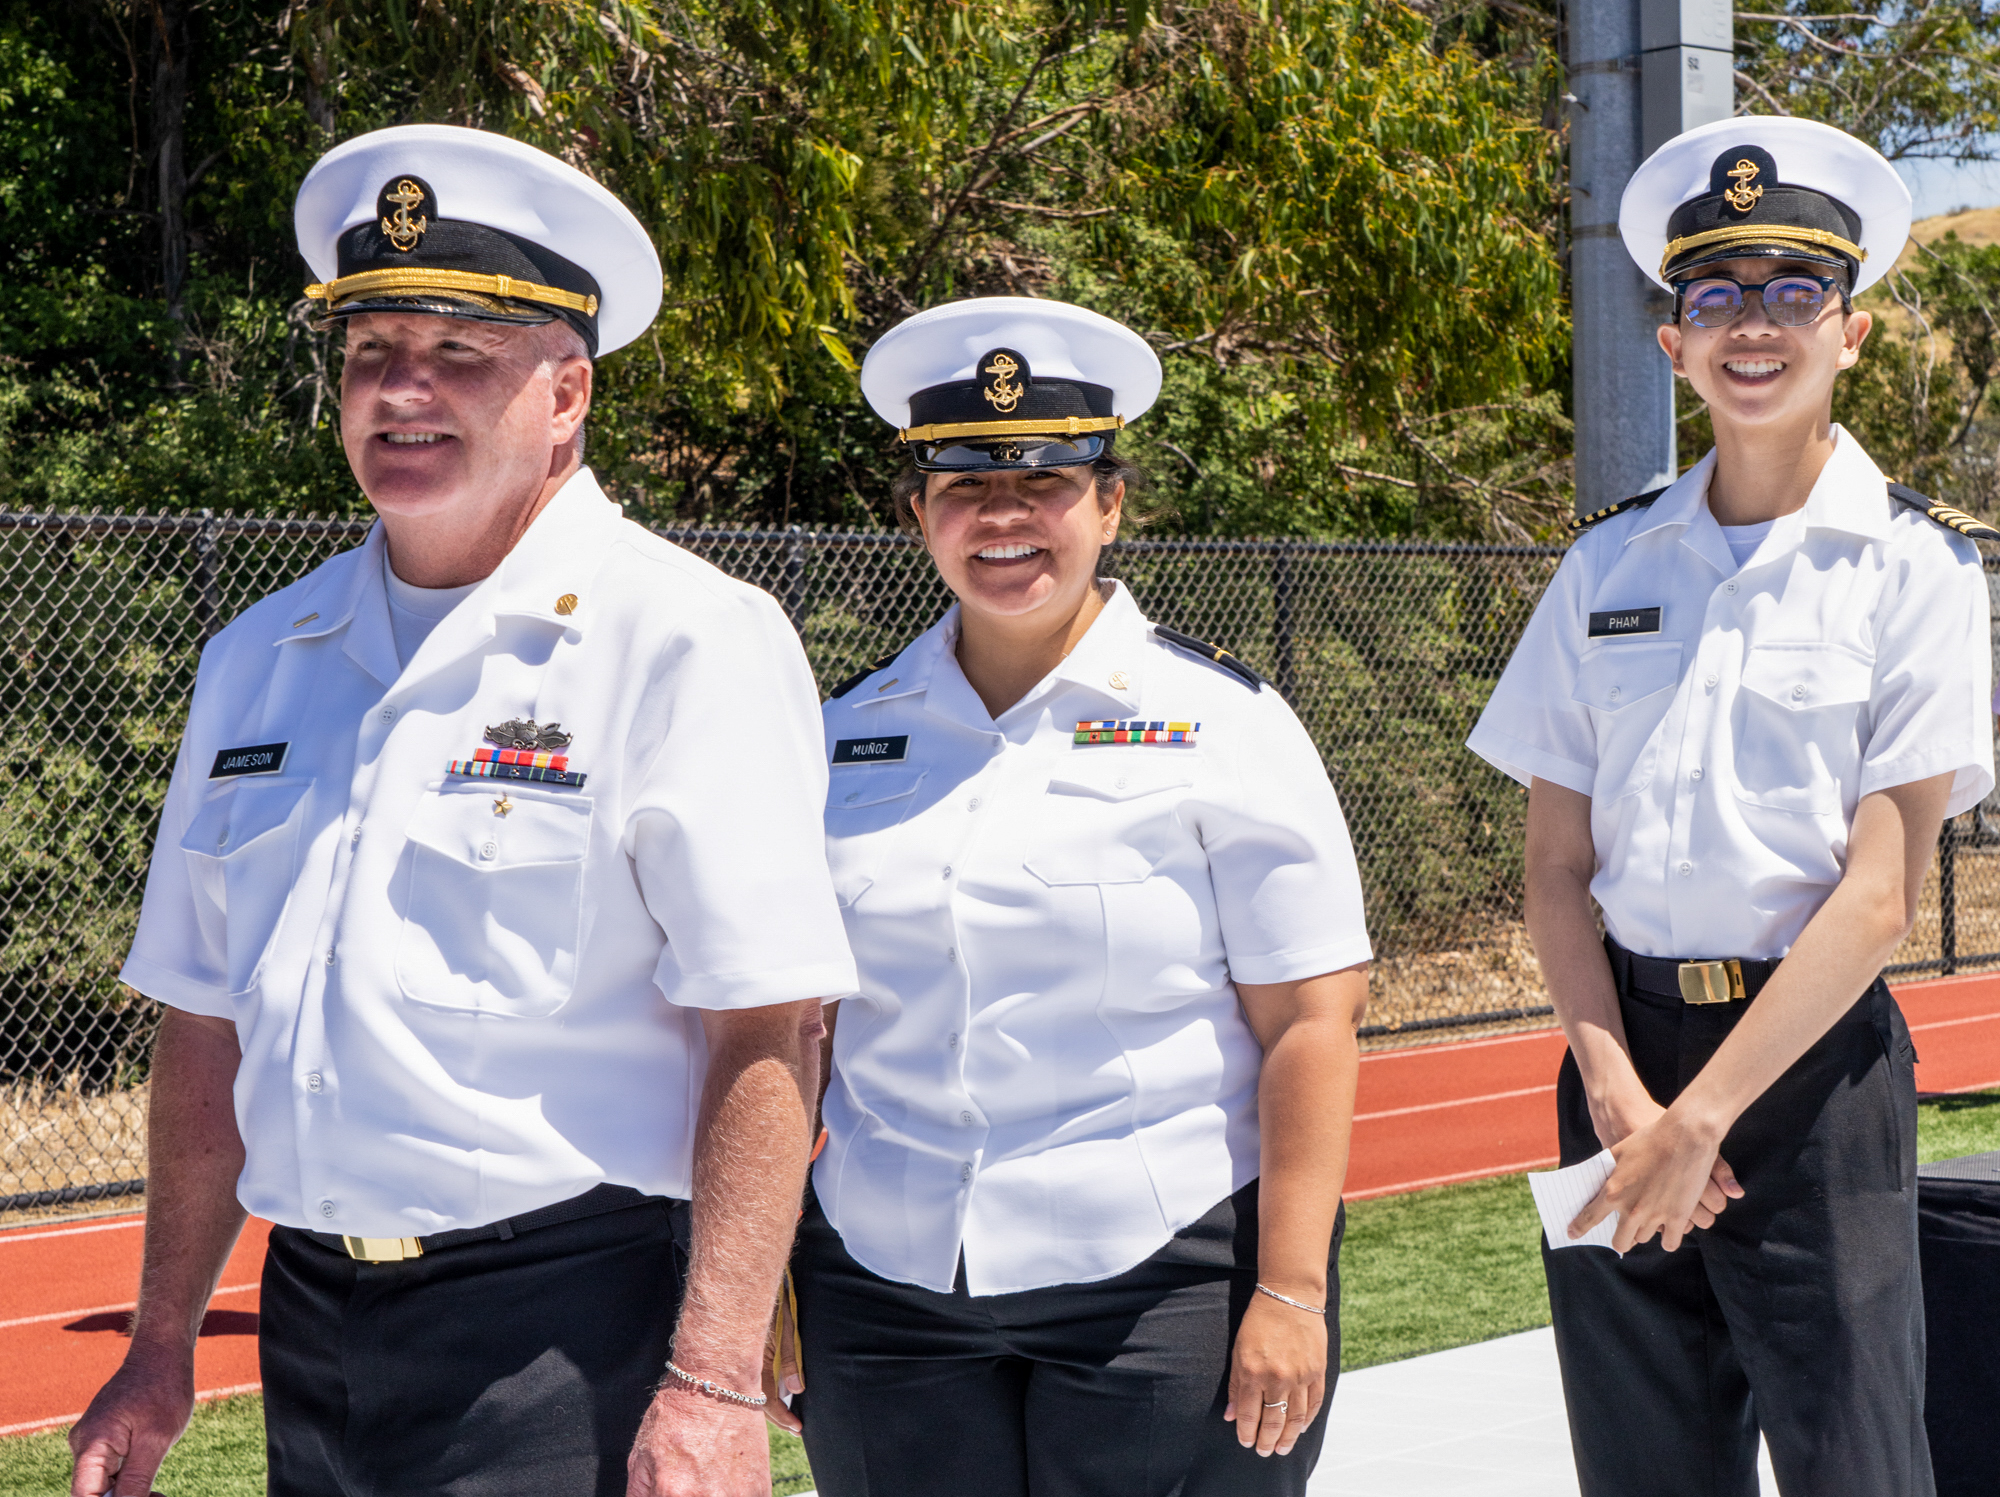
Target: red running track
[(1423, 1117)]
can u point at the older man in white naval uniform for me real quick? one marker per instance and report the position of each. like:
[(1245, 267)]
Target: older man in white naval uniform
[(488, 908)]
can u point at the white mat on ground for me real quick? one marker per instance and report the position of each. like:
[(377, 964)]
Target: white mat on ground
[(1480, 1421)]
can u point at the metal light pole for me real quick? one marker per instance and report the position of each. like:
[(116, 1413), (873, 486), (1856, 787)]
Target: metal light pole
[(1640, 72)]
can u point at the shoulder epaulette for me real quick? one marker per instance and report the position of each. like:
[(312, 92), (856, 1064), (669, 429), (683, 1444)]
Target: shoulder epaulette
[(1638, 501), (1944, 514), (1208, 651), (864, 673)]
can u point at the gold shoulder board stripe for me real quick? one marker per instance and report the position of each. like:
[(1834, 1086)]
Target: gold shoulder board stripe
[(1937, 511), (1638, 501)]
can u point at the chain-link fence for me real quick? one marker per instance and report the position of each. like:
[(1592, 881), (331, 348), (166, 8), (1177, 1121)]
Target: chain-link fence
[(1387, 651)]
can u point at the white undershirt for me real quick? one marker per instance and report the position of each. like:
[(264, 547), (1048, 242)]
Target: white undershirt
[(415, 611), (1745, 539)]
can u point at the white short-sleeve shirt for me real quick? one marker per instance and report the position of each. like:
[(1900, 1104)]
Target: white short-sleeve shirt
[(1725, 720), (461, 998), (1046, 1065)]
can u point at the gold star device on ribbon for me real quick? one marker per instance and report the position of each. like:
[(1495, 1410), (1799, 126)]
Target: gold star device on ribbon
[(465, 223), (1009, 382), (1759, 187)]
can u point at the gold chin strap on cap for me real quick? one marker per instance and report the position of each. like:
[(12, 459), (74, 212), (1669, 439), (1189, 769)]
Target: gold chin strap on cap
[(415, 281), (1747, 234), (1051, 426)]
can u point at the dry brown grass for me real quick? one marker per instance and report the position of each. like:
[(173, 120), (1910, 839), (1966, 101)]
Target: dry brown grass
[(53, 1136)]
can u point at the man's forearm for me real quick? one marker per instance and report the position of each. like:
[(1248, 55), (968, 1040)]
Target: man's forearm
[(195, 1156), (749, 1173)]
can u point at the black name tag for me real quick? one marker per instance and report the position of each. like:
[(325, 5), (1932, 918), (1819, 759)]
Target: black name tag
[(871, 750), (1625, 621), (259, 758)]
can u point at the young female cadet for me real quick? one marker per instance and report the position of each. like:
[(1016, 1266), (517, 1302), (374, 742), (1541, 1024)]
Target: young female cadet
[(1743, 708), (1094, 1092)]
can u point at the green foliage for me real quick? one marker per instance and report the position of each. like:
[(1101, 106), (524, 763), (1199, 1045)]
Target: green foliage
[(1334, 218), (1918, 400)]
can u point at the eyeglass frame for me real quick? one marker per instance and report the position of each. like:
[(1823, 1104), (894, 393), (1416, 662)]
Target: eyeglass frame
[(1743, 289)]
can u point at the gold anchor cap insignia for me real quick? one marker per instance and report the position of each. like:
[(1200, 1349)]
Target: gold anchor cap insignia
[(1742, 197), (399, 228), (1002, 391)]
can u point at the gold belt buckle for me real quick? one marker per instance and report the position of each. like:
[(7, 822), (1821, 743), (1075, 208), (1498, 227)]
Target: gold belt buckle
[(1711, 982), (383, 1249)]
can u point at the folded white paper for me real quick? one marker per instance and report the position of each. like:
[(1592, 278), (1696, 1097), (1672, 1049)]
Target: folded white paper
[(1561, 1194)]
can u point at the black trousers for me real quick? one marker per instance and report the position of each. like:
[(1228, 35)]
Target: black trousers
[(493, 1369), (1799, 1313), (1114, 1388)]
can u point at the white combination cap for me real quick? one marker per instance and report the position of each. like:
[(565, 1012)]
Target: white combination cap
[(1009, 382), (466, 223), (1769, 187)]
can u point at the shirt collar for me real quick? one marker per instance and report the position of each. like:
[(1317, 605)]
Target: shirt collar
[(1110, 652), (1850, 495), (545, 576)]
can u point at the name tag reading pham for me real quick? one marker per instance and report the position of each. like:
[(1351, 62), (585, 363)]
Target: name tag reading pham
[(258, 758), (1625, 621), (872, 750)]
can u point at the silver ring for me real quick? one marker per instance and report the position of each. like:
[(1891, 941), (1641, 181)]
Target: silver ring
[(1283, 1403)]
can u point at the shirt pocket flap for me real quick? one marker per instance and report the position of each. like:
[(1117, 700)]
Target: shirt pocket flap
[(1120, 776), (1807, 675), (1613, 677), (467, 826), (247, 811), (850, 790)]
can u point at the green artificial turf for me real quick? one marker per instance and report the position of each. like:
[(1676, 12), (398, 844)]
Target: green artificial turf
[(1419, 1273)]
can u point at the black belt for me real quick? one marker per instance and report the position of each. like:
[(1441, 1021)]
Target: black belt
[(594, 1202), (1721, 980)]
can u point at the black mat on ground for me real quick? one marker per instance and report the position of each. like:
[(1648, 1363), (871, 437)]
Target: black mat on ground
[(1958, 1234)]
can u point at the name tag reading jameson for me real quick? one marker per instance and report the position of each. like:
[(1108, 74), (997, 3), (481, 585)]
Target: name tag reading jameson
[(1625, 621), (871, 750), (258, 758)]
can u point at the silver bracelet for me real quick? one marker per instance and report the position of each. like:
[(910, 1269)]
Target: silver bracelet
[(716, 1390), (1283, 1298)]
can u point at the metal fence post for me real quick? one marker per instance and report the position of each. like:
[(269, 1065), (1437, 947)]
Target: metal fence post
[(796, 541), (1286, 678), (207, 577), (1948, 898)]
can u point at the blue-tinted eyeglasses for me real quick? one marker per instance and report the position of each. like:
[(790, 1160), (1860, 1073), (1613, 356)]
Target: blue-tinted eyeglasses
[(1790, 300)]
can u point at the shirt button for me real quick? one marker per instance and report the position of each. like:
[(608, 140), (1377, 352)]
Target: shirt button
[(965, 1117), (326, 1208), (357, 835), (222, 842), (1614, 697), (388, 714), (853, 796), (489, 849), (1709, 680), (951, 953), (947, 870), (315, 1082), (1694, 774), (1729, 587), (1686, 869), (973, 804), (1798, 693), (1123, 782), (964, 1174), (329, 956), (951, 1041)]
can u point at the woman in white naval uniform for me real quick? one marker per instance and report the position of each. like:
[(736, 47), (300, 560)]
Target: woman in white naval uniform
[(1094, 1092)]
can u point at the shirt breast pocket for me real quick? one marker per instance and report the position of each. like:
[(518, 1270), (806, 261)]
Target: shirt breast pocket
[(1613, 680), (242, 849), (1108, 819), (493, 905), (863, 809), (1798, 725)]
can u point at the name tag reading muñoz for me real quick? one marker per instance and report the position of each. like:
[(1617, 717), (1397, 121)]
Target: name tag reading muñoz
[(871, 750), (1625, 621), (259, 758)]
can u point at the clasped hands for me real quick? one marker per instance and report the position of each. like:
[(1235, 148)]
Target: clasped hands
[(1670, 1176)]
